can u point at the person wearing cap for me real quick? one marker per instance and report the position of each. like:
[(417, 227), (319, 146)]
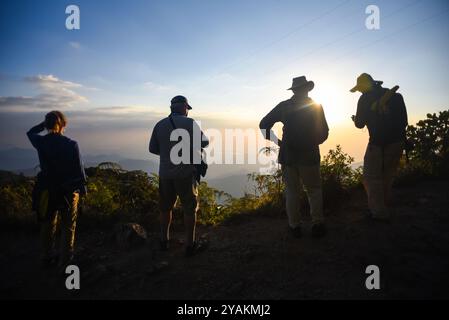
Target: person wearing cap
[(59, 185), (178, 178), (384, 112), (305, 128)]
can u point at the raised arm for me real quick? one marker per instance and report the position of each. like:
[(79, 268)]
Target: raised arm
[(267, 123), (33, 134)]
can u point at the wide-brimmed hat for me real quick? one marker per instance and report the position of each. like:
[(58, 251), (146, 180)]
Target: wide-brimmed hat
[(365, 82), (180, 100), (302, 82)]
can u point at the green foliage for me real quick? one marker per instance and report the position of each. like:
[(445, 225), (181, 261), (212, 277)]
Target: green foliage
[(121, 195), (338, 178), (102, 197), (15, 199), (336, 168), (268, 188), (428, 143), (211, 212)]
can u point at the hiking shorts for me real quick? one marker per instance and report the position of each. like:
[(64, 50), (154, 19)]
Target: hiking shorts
[(185, 188)]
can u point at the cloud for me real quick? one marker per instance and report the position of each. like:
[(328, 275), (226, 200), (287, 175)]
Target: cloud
[(56, 94), (16, 101), (50, 82), (75, 45)]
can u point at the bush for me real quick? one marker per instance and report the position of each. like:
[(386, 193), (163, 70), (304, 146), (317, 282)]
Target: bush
[(15, 199), (428, 143), (119, 195)]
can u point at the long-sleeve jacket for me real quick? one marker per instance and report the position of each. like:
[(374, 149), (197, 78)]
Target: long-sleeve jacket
[(304, 121), (59, 159)]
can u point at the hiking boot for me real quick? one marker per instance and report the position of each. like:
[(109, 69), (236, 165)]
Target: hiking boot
[(296, 232), (195, 248), (319, 230)]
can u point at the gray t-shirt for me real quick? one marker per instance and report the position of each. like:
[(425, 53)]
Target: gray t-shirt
[(188, 138)]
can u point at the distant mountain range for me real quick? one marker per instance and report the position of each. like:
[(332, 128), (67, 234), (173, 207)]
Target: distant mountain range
[(231, 179), (26, 161)]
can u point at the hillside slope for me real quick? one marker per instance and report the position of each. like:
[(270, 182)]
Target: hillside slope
[(253, 257)]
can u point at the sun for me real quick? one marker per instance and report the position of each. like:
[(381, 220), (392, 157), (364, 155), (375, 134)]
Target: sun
[(336, 103)]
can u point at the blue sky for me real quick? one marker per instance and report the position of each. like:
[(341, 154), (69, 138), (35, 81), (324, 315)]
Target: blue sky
[(233, 59)]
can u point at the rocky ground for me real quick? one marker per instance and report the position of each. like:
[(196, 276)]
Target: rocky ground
[(254, 257)]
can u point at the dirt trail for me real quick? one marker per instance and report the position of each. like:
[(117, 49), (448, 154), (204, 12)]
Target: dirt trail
[(254, 257)]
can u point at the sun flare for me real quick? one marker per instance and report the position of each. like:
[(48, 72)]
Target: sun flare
[(336, 103)]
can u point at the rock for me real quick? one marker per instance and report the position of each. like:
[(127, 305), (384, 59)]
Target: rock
[(130, 235)]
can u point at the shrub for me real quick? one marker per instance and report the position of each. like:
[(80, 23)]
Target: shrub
[(428, 143)]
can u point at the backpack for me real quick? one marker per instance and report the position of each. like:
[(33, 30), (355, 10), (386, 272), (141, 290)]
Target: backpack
[(385, 116)]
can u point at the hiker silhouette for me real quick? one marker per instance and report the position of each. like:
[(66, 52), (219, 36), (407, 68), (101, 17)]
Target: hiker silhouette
[(305, 128), (178, 180), (57, 191), (384, 112)]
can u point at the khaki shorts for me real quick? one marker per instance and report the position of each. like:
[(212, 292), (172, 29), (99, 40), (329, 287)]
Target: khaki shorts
[(186, 189)]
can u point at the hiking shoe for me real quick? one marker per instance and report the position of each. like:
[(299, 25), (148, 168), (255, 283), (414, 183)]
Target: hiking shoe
[(195, 248), (163, 244), (296, 232), (319, 230)]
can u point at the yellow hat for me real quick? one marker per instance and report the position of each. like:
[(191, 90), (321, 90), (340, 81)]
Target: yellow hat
[(365, 82)]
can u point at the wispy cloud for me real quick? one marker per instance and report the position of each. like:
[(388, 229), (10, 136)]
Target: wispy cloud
[(56, 94)]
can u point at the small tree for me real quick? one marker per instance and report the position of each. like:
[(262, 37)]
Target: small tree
[(429, 144)]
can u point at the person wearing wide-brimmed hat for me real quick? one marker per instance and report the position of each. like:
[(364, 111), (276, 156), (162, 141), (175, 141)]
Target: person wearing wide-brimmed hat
[(305, 128), (383, 111)]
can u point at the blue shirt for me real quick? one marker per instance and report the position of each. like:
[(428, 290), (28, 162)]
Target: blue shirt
[(59, 159)]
